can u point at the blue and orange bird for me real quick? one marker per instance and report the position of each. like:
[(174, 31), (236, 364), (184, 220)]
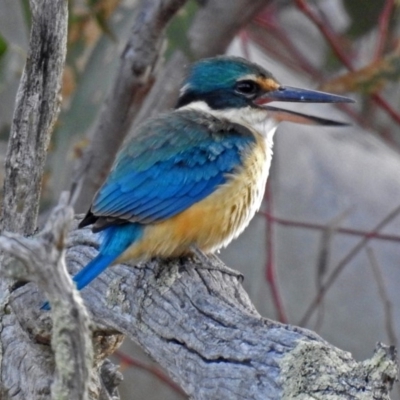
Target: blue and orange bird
[(194, 176)]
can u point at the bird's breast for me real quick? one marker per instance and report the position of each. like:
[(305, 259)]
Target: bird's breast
[(214, 221), (233, 205)]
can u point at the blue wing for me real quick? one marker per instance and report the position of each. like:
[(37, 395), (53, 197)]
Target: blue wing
[(173, 162)]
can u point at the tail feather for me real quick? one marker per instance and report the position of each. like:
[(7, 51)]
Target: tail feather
[(115, 240), (89, 273), (93, 269)]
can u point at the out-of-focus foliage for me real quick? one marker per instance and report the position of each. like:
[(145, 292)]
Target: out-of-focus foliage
[(370, 79), (3, 49), (364, 15), (102, 10), (3, 46), (181, 23)]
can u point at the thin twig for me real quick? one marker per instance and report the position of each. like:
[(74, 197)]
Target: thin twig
[(386, 106), (340, 53), (270, 267), (324, 254), (383, 25), (321, 227), (280, 33), (387, 303), (343, 262), (327, 32)]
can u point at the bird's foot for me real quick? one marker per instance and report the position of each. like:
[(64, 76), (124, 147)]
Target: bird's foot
[(211, 262)]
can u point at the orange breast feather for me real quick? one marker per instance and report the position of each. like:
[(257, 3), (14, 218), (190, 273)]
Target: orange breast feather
[(213, 222)]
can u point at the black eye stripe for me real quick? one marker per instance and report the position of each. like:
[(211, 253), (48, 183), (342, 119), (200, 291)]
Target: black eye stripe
[(247, 87)]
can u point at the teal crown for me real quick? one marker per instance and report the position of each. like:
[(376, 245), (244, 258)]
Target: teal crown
[(221, 72)]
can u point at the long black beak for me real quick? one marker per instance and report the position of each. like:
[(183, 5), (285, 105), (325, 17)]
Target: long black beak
[(298, 95)]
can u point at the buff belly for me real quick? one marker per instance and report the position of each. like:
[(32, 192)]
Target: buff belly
[(213, 222)]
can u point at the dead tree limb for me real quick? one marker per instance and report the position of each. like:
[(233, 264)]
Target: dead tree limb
[(44, 261), (201, 326), (36, 110)]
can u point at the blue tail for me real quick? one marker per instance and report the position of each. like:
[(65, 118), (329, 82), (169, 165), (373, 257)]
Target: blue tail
[(115, 240), (93, 269)]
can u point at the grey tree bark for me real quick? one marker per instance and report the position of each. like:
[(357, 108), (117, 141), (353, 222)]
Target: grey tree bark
[(200, 325), (196, 321)]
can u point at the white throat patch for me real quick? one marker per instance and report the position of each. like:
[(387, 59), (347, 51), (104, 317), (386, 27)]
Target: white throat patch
[(257, 120)]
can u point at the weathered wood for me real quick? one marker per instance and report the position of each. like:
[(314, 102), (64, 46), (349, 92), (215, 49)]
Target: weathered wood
[(201, 326), (43, 258), (36, 110), (31, 369)]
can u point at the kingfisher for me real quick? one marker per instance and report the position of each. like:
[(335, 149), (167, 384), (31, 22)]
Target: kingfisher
[(195, 176)]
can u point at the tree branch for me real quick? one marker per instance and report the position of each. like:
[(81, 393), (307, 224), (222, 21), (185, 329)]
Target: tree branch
[(201, 326), (67, 370), (43, 258), (36, 110)]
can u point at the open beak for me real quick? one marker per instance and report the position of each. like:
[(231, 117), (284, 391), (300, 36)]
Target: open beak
[(281, 115), (293, 94)]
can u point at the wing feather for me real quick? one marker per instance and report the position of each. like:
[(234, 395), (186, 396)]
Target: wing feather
[(173, 162)]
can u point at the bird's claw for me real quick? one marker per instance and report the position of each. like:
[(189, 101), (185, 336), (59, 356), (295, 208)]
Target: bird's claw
[(215, 265)]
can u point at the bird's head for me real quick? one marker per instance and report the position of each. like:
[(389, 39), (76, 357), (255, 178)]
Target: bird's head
[(233, 83)]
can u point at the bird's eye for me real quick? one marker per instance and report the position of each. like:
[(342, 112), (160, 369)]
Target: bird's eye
[(248, 88)]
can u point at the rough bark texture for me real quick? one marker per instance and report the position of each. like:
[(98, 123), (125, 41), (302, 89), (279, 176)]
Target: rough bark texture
[(30, 367), (43, 258), (133, 80), (36, 110), (201, 326)]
